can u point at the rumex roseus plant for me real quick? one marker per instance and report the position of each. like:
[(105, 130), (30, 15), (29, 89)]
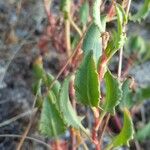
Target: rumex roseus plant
[(90, 82)]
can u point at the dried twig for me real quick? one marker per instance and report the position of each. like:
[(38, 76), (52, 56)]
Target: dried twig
[(75, 26), (67, 37), (16, 118), (68, 62), (26, 131), (27, 137)]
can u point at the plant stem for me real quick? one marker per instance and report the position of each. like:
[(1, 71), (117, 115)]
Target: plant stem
[(73, 139), (120, 62), (121, 50), (26, 131), (47, 4), (72, 96), (57, 145), (27, 137), (75, 26), (67, 28), (97, 122), (100, 120), (67, 37), (105, 126), (67, 63), (16, 118)]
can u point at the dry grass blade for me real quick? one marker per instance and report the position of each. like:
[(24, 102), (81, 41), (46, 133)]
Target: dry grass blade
[(16, 118), (27, 130), (27, 137)]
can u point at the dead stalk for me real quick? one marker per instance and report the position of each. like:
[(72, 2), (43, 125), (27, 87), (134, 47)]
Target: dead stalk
[(27, 137), (26, 131), (67, 37)]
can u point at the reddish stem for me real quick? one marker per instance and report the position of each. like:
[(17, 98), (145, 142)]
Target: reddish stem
[(111, 12), (94, 132), (72, 97), (102, 67)]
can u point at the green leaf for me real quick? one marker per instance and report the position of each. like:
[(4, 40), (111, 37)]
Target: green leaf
[(56, 86), (135, 45), (131, 98), (84, 13), (37, 87), (126, 133), (96, 14), (37, 92), (113, 93), (141, 94), (143, 133), (142, 12), (121, 18), (93, 41), (127, 96), (66, 108), (51, 122), (118, 38), (87, 86), (145, 92)]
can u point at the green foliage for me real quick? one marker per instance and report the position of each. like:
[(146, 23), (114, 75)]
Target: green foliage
[(38, 70), (84, 13), (37, 87), (143, 12), (51, 122), (131, 97), (135, 45), (118, 38), (126, 133), (143, 133), (127, 96), (66, 108), (113, 93), (37, 92), (146, 55), (93, 41), (64, 5), (57, 113), (87, 78), (56, 86), (96, 14), (145, 92)]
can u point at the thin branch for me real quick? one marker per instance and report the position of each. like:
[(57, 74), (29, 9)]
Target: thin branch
[(27, 137), (32, 117), (94, 131), (128, 7), (100, 120), (74, 25), (16, 118), (121, 50), (24, 42), (120, 62), (67, 29), (47, 5), (67, 63), (105, 126), (67, 37), (26, 131), (72, 97)]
